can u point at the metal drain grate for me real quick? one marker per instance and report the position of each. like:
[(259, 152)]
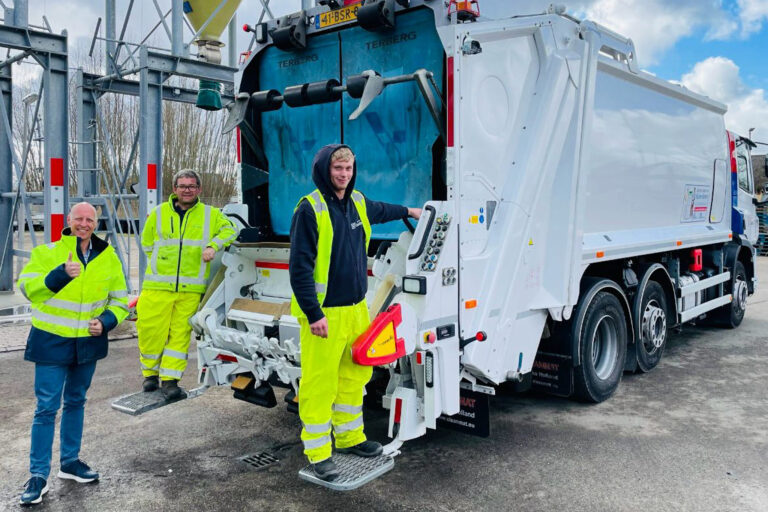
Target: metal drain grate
[(354, 471), (139, 403), (260, 460)]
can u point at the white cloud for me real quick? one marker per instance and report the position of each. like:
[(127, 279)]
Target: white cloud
[(718, 78), (752, 15), (656, 25)]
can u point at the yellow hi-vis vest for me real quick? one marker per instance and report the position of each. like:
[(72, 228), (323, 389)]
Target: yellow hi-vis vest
[(100, 286), (325, 242), (174, 247)]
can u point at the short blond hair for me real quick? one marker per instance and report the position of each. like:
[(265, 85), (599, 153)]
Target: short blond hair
[(342, 154)]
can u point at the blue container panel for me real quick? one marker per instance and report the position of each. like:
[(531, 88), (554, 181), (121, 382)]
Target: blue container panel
[(292, 136), (393, 138)]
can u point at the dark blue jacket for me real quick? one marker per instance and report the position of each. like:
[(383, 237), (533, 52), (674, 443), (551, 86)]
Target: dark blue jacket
[(348, 273), (47, 348)]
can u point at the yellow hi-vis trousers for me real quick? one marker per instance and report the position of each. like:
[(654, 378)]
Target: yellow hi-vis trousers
[(331, 386), (164, 331)]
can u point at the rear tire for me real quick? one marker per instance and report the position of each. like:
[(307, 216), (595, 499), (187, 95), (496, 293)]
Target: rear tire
[(602, 349), (653, 325)]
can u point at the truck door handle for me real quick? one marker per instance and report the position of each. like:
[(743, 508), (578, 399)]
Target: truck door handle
[(427, 231)]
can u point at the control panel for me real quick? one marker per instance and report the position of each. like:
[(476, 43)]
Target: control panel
[(435, 243)]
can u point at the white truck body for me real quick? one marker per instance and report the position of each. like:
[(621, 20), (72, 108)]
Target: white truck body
[(570, 175)]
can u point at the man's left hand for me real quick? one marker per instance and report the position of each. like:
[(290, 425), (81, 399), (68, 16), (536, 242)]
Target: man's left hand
[(414, 213), (95, 327), (208, 254)]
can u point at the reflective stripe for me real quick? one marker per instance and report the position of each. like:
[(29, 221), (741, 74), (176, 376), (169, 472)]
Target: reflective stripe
[(349, 409), (150, 356), (170, 373), (350, 425), (117, 304), (191, 280), (175, 353), (206, 236), (357, 196), (29, 275), (57, 320), (319, 205), (118, 294), (147, 248), (160, 279), (23, 291), (320, 287), (311, 444), (75, 307), (153, 367), (175, 242), (319, 428), (159, 241)]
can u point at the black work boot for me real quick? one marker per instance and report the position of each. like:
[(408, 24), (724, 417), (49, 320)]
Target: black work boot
[(364, 449), (170, 389), (326, 470), (150, 383)]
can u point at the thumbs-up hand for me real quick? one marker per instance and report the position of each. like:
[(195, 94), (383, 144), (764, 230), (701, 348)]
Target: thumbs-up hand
[(72, 268)]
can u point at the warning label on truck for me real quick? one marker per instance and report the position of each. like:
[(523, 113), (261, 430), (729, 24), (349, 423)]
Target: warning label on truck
[(696, 201)]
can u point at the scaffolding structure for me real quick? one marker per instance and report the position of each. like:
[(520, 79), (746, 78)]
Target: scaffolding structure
[(123, 211)]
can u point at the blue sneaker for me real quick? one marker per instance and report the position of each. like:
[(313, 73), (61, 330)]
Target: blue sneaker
[(34, 490), (78, 471)]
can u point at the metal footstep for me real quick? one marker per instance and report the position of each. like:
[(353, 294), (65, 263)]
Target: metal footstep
[(355, 471), (141, 402)]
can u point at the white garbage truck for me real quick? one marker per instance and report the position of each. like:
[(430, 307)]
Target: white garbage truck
[(576, 208)]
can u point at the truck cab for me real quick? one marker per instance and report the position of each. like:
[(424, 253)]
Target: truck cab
[(745, 221)]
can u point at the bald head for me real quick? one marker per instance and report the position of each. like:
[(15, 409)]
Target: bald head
[(82, 220)]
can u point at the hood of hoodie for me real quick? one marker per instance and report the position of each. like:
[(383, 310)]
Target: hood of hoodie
[(321, 171)]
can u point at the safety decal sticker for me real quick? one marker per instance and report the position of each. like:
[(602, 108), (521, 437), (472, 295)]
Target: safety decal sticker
[(478, 219), (696, 201)]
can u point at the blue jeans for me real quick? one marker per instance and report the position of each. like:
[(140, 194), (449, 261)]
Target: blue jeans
[(50, 380)]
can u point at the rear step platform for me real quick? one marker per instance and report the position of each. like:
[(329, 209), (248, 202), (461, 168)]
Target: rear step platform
[(354, 471), (141, 402)]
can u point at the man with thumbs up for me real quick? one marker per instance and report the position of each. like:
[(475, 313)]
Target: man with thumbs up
[(77, 292)]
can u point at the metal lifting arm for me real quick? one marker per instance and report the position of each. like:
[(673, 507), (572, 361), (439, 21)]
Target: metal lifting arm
[(366, 86)]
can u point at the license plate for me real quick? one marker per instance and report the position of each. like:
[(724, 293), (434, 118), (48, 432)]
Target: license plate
[(336, 17)]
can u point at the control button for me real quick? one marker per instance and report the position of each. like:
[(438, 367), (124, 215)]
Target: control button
[(439, 220), (433, 257), (432, 243), (424, 266), (437, 250), (430, 250), (440, 236), (430, 266), (439, 243)]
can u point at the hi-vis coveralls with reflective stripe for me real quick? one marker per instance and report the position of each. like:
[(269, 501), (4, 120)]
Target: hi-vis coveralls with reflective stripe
[(331, 386), (174, 282), (66, 313)]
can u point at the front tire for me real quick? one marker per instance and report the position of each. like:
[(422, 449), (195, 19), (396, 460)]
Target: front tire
[(602, 349), (731, 315)]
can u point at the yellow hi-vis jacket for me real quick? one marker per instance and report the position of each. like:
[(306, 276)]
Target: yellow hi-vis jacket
[(174, 247), (325, 242), (66, 312)]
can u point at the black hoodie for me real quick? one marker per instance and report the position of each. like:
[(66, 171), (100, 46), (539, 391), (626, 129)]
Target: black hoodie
[(348, 273)]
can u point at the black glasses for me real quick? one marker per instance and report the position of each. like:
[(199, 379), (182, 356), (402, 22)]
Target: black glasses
[(186, 187)]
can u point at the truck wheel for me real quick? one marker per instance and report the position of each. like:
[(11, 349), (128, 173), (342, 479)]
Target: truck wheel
[(732, 314), (653, 327), (602, 347)]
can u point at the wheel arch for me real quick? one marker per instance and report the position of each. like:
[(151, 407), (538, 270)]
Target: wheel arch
[(658, 273), (591, 286), (741, 250)]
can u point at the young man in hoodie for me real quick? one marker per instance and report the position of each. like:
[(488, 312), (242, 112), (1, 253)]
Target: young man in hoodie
[(330, 232)]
